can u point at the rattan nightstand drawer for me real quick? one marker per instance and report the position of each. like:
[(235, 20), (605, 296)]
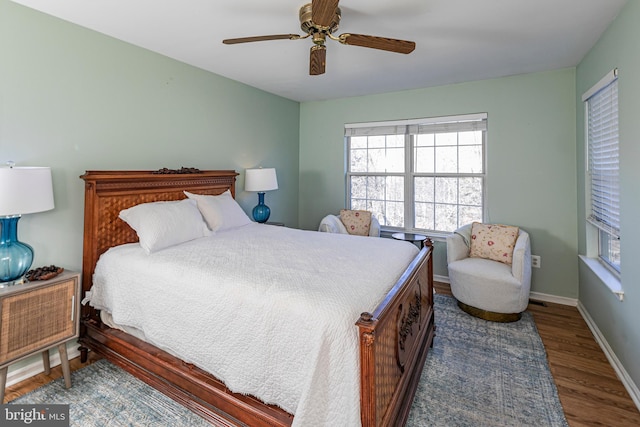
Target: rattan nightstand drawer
[(38, 315)]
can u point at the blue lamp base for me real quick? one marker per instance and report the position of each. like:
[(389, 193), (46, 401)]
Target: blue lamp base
[(261, 212), (15, 257)]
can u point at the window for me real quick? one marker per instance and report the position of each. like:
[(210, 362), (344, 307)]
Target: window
[(603, 194), (424, 175)]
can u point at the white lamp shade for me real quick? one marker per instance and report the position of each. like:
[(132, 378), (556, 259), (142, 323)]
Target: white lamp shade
[(263, 179), (25, 190)]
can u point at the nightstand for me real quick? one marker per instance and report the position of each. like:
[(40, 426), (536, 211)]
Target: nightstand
[(37, 316)]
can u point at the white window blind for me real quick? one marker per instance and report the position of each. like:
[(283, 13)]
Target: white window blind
[(467, 122), (603, 155)]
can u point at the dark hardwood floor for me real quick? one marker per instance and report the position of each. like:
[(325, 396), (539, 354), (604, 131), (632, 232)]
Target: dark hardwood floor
[(590, 392)]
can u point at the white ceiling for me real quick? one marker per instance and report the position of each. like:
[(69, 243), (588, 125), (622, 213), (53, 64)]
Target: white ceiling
[(456, 40)]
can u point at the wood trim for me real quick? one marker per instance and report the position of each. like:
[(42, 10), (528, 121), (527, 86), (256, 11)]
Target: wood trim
[(390, 375)]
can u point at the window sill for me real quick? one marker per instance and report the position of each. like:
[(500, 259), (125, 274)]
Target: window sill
[(607, 277)]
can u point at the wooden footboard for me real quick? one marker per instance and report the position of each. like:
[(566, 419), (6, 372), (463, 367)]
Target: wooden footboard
[(394, 341), (394, 338)]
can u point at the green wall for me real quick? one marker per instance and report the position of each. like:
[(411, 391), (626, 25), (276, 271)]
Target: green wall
[(77, 100), (617, 321), (531, 159)]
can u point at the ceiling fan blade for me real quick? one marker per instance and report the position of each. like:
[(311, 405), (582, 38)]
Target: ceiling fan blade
[(318, 60), (261, 38), (322, 11), (374, 42)]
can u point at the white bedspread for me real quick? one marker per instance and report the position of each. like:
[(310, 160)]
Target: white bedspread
[(269, 310)]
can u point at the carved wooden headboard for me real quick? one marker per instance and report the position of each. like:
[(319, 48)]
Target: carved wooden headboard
[(109, 192)]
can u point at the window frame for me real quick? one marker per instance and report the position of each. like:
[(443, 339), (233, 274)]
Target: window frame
[(411, 132), (598, 230)]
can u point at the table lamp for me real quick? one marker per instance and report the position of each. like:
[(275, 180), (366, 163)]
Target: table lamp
[(260, 180), (23, 190)]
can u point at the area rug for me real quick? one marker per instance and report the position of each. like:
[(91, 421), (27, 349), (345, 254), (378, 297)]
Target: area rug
[(478, 373), (482, 373), (102, 395)]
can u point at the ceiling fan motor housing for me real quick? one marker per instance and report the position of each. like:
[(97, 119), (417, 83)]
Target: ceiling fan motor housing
[(310, 27)]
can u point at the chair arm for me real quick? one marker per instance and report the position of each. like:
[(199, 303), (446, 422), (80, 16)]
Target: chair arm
[(521, 263), (456, 248), (332, 224), (374, 230)]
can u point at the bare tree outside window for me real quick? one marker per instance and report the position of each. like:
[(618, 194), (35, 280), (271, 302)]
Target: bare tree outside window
[(424, 176)]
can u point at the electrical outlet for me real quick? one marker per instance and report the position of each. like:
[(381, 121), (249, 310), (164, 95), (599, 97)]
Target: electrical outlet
[(535, 261)]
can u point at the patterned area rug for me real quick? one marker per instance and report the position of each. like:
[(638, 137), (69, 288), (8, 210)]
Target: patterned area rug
[(482, 373), (102, 394), (477, 374)]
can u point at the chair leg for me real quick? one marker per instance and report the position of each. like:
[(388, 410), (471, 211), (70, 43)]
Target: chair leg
[(45, 362), (3, 382), (64, 362)]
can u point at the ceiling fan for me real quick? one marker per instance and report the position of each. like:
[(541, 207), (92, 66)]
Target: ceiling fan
[(320, 19)]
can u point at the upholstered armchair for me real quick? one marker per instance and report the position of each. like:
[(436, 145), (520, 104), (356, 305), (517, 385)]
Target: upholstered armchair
[(491, 289), (359, 222)]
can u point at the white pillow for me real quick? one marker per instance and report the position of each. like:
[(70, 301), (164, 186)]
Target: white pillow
[(220, 212), (163, 224)]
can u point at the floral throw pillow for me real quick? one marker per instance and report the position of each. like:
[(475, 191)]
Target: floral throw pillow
[(493, 241), (356, 222)]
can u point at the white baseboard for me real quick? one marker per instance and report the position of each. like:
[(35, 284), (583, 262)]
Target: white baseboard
[(533, 295), (443, 279), (626, 380), (538, 296), (36, 367)]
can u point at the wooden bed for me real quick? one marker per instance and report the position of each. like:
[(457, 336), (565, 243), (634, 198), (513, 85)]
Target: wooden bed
[(394, 338)]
